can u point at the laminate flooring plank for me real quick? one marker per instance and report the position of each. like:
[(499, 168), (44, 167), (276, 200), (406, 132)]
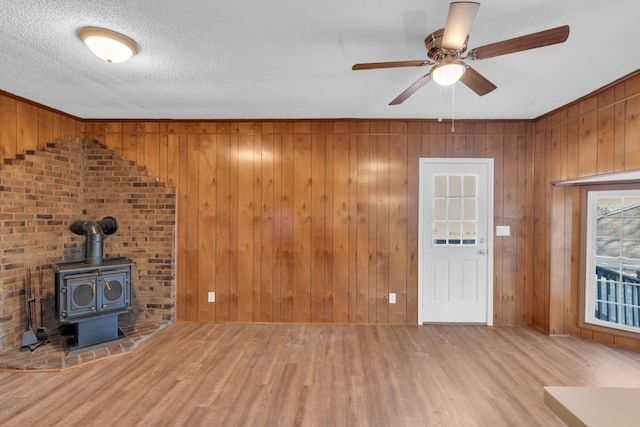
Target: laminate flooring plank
[(232, 374)]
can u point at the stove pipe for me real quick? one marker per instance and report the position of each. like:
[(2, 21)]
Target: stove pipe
[(94, 232)]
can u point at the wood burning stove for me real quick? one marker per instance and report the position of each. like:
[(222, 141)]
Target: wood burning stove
[(91, 297), (91, 294)]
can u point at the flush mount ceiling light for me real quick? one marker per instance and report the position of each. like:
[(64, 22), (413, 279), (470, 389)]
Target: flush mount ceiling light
[(107, 44), (448, 72)]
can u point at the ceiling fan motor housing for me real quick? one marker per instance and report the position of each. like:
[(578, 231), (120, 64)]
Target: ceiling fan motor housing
[(433, 42)]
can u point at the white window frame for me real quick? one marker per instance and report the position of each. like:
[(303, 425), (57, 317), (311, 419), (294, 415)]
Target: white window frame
[(591, 257)]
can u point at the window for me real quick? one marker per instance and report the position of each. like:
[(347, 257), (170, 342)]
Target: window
[(612, 297), (455, 206)]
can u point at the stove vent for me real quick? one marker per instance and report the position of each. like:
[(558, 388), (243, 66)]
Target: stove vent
[(94, 231)]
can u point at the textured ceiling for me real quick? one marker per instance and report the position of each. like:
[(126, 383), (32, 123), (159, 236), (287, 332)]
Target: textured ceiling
[(204, 59)]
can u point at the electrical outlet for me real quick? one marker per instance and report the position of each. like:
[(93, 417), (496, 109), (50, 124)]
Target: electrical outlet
[(392, 298), (211, 297)]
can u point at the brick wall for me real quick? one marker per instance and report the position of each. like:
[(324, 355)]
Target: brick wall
[(44, 191), (146, 212)]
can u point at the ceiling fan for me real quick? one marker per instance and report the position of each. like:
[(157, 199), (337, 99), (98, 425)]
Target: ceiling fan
[(445, 49)]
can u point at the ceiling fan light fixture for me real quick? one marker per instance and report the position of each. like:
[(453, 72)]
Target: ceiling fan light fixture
[(447, 73), (107, 44)]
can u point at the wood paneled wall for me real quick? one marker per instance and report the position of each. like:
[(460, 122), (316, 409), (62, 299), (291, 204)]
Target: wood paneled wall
[(25, 126), (317, 221), (598, 135)]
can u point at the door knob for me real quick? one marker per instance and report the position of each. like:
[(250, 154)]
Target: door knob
[(482, 251)]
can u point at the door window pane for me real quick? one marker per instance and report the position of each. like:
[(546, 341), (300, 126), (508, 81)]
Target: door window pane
[(455, 209), (470, 187), (440, 209), (440, 186), (455, 186)]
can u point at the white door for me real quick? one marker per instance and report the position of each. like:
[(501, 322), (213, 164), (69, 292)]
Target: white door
[(456, 241)]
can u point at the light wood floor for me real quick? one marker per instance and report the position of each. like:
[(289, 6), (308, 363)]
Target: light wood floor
[(319, 375)]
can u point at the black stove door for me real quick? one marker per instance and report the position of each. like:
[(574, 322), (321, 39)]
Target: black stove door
[(79, 295), (113, 291)]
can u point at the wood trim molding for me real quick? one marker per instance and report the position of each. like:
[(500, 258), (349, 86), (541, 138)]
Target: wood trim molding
[(35, 104)]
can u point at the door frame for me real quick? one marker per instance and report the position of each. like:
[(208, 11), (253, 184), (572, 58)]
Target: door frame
[(423, 170)]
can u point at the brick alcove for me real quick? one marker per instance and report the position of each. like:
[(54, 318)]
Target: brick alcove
[(44, 191)]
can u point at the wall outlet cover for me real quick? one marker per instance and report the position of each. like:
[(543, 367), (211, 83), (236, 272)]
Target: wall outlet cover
[(503, 230)]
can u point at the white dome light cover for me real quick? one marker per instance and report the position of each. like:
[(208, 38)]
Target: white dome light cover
[(448, 72), (107, 44)]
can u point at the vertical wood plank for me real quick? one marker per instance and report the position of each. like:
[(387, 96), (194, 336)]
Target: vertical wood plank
[(162, 156), (192, 229), (606, 140), (268, 246), (277, 227), (182, 288), (8, 128), (234, 226), (556, 262), (529, 217), (573, 256), (373, 229), (437, 146), (382, 230), (632, 134), (362, 227), (256, 286), (353, 228), (27, 122), (173, 160), (414, 151), (425, 142), (286, 264), (495, 149), (538, 233), (207, 196), (245, 227), (45, 127), (557, 161), (130, 146), (479, 146), (301, 227), (141, 146), (329, 231), (151, 153), (318, 227), (509, 244), (588, 154), (523, 181), (619, 150), (341, 228), (459, 146), (223, 227), (398, 228), (573, 148)]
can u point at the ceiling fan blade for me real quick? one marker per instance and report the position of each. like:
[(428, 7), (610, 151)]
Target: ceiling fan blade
[(477, 82), (459, 20), (393, 64), (411, 89), (517, 44)]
